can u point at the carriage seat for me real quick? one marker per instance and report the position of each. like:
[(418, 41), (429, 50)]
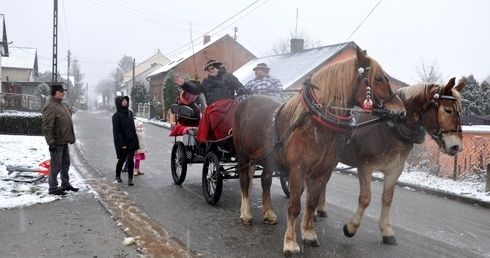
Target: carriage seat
[(185, 111)]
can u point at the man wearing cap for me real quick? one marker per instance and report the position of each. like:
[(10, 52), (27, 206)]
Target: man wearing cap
[(263, 82), (58, 132), (219, 88)]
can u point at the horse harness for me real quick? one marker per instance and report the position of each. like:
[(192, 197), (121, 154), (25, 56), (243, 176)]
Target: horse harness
[(406, 135), (320, 114)]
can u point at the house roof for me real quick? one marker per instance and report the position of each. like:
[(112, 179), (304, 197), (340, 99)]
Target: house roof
[(185, 56), (4, 46), (146, 65), (21, 57), (291, 68)]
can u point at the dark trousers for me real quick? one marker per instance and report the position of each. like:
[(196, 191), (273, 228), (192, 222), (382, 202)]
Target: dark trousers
[(129, 158), (60, 164)]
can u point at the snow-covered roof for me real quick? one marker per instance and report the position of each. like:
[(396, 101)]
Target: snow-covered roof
[(291, 68), (185, 56), (20, 57)]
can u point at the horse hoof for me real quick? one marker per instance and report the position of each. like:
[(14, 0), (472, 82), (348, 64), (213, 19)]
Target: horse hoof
[(389, 240), (290, 254), (348, 234), (247, 221), (270, 221), (311, 242), (322, 214)]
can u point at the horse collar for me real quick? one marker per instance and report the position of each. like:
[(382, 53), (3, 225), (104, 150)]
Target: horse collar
[(320, 114)]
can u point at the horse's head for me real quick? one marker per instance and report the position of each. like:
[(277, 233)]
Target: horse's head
[(373, 88), (441, 116)]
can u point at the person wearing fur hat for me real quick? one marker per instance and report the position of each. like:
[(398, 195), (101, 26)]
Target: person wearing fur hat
[(57, 127), (125, 138), (263, 82), (219, 89)]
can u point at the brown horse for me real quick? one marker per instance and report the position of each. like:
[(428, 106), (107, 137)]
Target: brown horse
[(384, 147), (304, 136)]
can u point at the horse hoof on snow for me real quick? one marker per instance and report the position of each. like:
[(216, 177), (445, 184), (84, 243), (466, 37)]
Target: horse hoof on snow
[(311, 242), (348, 234), (389, 240)]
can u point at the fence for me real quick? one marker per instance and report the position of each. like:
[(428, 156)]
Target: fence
[(143, 110), (21, 102), (473, 159)]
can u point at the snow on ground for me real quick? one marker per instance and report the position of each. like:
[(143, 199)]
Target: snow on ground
[(26, 152), (30, 151)]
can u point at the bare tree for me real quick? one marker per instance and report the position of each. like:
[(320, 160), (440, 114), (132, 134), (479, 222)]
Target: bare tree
[(428, 71), (282, 45)]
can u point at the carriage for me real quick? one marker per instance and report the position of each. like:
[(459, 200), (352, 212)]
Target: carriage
[(217, 156)]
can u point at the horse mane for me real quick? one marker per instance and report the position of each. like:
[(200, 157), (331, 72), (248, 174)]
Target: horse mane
[(336, 82), (420, 92)]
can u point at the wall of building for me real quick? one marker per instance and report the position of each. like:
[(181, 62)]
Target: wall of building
[(475, 155)]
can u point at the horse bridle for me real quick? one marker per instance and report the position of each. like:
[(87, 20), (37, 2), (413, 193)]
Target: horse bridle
[(435, 102), (362, 75)]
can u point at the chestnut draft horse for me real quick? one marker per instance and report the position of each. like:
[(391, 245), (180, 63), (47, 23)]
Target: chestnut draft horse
[(431, 107), (304, 136)]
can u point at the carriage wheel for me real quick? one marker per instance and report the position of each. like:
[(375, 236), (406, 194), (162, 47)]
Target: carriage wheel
[(284, 178), (212, 179), (178, 163)]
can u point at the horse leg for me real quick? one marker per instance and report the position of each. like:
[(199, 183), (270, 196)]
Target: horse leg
[(321, 209), (246, 178), (364, 175), (269, 215), (391, 177), (296, 186), (315, 187)]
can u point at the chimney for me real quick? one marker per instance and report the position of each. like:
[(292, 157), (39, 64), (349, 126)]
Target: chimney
[(297, 45), (206, 39)]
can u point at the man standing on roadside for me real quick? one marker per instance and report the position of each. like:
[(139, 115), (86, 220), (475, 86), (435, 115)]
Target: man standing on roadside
[(58, 132)]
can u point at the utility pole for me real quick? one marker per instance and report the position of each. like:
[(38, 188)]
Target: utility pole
[(54, 69), (132, 84), (233, 53), (68, 74)]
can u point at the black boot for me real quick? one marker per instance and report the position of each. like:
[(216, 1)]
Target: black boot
[(130, 181), (118, 177)]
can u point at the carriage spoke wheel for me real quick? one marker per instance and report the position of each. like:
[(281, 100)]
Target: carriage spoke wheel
[(178, 163), (284, 178), (212, 179)]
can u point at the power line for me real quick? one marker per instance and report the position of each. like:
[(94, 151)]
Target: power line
[(363, 21)]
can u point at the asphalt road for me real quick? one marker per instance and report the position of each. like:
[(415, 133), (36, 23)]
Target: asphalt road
[(425, 225)]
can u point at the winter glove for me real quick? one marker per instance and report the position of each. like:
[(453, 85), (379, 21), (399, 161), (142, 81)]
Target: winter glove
[(242, 91), (52, 148)]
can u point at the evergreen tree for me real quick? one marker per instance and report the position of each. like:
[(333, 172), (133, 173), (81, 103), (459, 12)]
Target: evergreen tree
[(139, 94), (472, 92), (485, 92), (170, 90), (42, 90)]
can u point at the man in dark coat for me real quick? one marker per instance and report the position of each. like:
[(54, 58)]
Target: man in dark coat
[(58, 132), (125, 138)]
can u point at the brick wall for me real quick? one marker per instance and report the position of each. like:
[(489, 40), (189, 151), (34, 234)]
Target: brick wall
[(476, 155)]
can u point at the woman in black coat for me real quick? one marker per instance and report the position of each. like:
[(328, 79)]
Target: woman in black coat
[(125, 138)]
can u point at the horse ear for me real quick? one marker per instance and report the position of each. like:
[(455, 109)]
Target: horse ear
[(362, 58), (450, 84), (460, 86)]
